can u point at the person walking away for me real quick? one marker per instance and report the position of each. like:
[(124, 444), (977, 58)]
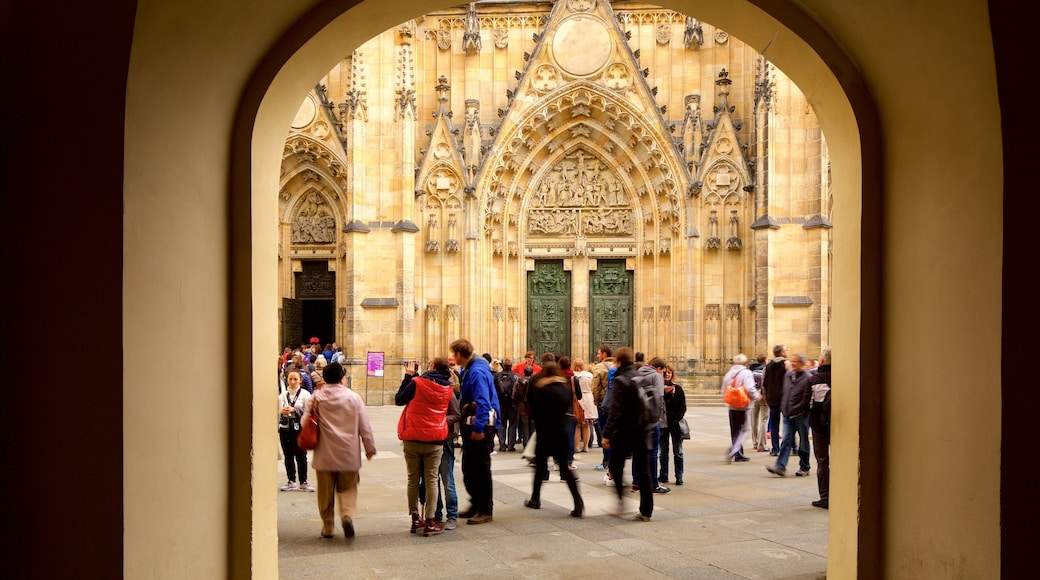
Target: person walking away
[(773, 383), (291, 405), (671, 436), (523, 410), (505, 382), (655, 374), (820, 424), (795, 410), (551, 399), (738, 416), (480, 411), (624, 435), (343, 427)]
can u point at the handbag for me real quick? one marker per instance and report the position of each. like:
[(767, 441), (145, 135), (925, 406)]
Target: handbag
[(736, 395), (579, 412), (684, 429), (308, 437)]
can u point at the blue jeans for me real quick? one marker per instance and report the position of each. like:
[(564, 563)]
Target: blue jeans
[(673, 436), (791, 425), (572, 428), (448, 481), (652, 452), (774, 428)]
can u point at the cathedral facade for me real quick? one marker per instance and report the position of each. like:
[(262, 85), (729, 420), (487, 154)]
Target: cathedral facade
[(552, 176)]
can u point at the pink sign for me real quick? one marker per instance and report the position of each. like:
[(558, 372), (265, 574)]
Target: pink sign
[(375, 364)]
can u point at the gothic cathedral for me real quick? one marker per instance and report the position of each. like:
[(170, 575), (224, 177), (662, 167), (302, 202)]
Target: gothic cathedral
[(551, 176)]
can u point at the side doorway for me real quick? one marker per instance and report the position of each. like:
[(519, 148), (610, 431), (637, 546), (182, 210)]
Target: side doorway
[(610, 305), (315, 303), (549, 307)]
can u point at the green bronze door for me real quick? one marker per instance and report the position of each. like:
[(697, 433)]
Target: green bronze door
[(549, 308), (610, 305)]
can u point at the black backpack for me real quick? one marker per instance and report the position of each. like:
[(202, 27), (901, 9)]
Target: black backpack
[(504, 383)]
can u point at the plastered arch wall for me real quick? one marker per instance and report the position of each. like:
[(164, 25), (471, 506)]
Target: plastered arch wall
[(933, 289)]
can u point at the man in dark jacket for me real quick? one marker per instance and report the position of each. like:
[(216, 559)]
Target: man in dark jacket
[(795, 408), (773, 384), (624, 435), (820, 423), (550, 399)]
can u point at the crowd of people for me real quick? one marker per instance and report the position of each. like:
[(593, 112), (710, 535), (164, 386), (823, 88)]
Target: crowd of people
[(549, 408)]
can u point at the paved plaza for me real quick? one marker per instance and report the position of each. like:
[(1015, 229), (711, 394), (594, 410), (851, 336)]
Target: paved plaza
[(729, 520)]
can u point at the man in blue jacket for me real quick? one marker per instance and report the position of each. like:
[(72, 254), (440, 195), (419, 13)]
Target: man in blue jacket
[(480, 412)]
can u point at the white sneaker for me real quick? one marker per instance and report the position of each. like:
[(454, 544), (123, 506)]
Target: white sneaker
[(607, 480), (291, 486), (307, 487)]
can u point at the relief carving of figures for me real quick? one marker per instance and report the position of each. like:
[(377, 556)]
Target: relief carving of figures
[(549, 280), (553, 222), (609, 281), (314, 222), (580, 180), (608, 222)]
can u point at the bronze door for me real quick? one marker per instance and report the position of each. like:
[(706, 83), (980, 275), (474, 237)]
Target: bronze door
[(549, 308), (610, 306), (292, 322)]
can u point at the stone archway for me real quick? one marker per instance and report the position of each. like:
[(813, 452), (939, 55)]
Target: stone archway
[(288, 71)]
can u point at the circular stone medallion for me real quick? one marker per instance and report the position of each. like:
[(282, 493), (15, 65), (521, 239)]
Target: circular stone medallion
[(305, 115), (581, 45)]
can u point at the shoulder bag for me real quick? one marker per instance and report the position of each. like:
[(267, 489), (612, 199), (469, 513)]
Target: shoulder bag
[(308, 437)]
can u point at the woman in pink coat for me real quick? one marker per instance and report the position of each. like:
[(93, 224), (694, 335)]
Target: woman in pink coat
[(342, 428)]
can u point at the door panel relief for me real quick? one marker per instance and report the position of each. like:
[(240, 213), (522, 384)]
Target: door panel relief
[(549, 308), (610, 299)]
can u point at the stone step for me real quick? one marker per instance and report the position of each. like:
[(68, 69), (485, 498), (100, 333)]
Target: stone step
[(704, 400)]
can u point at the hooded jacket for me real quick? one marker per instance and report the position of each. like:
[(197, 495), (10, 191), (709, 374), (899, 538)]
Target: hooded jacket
[(426, 400)]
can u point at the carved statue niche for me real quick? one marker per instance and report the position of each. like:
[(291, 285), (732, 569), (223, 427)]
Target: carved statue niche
[(315, 221)]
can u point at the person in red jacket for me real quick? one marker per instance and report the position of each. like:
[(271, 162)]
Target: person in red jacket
[(423, 427)]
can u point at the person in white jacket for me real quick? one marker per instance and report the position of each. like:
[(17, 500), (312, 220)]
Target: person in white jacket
[(292, 403), (738, 416)]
